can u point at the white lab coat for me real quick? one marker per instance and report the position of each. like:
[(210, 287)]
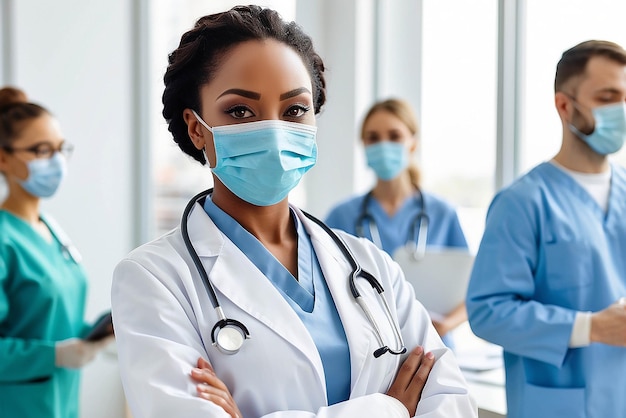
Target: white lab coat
[(163, 319)]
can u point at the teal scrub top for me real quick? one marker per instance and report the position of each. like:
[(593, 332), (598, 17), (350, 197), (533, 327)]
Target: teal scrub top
[(42, 300)]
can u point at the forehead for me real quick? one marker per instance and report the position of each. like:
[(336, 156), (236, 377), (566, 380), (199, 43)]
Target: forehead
[(603, 73), (262, 66), (382, 119), (41, 128)]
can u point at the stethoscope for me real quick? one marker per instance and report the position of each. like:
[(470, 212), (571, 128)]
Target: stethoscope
[(228, 335), (419, 226), (69, 250)]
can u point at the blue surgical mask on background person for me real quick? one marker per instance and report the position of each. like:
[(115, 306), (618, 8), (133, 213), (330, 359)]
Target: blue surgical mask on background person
[(45, 175), (609, 130), (387, 159), (261, 162)]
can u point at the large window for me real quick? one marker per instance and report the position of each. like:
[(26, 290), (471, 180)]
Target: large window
[(458, 112), (551, 28)]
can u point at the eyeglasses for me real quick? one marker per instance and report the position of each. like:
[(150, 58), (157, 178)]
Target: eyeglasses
[(44, 150)]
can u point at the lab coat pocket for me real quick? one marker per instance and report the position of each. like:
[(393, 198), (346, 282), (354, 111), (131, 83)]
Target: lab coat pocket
[(568, 265), (553, 402)]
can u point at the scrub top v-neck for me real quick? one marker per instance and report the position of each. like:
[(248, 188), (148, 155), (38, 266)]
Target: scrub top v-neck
[(308, 295)]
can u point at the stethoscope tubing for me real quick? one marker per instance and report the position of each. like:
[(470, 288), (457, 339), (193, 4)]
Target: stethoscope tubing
[(419, 226), (224, 322)]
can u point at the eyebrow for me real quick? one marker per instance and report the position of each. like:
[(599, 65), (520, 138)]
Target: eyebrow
[(294, 93), (256, 96), (611, 90), (240, 92)]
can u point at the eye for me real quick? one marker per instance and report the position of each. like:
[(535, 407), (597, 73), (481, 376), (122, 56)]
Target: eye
[(43, 150), (606, 100), (239, 112), (297, 111)]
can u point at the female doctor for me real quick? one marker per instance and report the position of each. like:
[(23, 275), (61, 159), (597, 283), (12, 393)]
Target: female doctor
[(42, 283), (397, 211), (250, 289)]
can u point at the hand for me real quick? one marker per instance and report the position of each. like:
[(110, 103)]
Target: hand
[(74, 353), (609, 325), (411, 379), (442, 327), (213, 389), (453, 319)]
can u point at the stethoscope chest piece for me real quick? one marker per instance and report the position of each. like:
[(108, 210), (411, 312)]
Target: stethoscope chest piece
[(228, 336)]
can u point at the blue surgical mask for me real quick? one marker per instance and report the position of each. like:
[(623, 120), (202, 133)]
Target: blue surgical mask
[(261, 162), (387, 159), (609, 130), (45, 175)]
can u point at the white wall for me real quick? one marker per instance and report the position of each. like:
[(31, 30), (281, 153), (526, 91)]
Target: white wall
[(361, 68), (342, 35), (75, 58)]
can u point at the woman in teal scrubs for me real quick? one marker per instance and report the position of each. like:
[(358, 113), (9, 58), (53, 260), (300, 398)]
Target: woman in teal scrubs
[(42, 284)]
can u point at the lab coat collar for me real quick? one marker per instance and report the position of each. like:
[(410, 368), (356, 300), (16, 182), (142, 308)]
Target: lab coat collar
[(207, 239), (240, 282)]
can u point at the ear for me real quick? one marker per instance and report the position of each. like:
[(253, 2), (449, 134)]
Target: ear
[(195, 130), (3, 161), (414, 142), (564, 105)]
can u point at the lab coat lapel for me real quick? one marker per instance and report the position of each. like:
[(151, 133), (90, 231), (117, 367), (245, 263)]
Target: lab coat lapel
[(336, 270), (238, 280)]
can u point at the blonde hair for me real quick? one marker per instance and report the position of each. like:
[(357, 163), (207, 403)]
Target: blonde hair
[(402, 110)]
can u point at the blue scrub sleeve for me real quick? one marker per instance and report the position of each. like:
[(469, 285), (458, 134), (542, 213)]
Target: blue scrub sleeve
[(501, 288)]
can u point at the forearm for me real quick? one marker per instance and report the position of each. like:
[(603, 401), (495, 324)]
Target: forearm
[(24, 360)]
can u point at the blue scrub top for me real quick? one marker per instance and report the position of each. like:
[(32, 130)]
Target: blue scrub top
[(444, 229), (308, 295), (548, 252)]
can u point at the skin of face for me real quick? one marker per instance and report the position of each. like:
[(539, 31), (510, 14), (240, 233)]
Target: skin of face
[(603, 83), (44, 128), (385, 126), (257, 80)]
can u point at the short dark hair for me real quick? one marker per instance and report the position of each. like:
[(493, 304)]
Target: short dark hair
[(573, 62), (15, 111), (200, 53)]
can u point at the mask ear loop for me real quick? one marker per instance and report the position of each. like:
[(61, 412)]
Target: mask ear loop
[(202, 122), (206, 125), (571, 126)]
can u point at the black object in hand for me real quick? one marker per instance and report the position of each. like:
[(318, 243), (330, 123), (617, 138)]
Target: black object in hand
[(102, 328)]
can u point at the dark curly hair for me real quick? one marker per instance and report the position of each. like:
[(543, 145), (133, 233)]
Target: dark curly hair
[(201, 50)]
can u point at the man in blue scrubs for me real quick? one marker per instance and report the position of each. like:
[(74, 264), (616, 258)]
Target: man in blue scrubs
[(551, 268)]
